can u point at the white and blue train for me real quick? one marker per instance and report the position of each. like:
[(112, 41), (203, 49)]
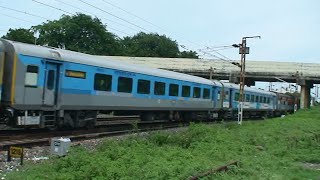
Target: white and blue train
[(48, 87)]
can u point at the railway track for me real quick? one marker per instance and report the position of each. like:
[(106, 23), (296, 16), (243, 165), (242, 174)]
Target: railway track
[(43, 137), (106, 126), (10, 133)]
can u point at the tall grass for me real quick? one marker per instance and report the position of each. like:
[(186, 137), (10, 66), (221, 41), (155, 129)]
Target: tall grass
[(270, 149)]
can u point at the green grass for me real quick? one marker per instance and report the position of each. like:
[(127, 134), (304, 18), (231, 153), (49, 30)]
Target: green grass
[(270, 149)]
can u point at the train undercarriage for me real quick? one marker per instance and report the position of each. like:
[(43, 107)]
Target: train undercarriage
[(48, 119), (74, 119)]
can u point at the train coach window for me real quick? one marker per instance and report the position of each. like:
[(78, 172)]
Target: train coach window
[(102, 82), (236, 96), (247, 98), (186, 91), (31, 78), (252, 98), (50, 80), (206, 93), (143, 86), (261, 99), (257, 99), (196, 92), (226, 95), (159, 88), (218, 95), (125, 84), (173, 90), (268, 100)]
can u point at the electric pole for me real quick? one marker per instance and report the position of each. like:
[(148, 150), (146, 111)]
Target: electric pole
[(243, 50)]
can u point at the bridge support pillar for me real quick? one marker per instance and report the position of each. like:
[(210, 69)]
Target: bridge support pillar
[(305, 94)]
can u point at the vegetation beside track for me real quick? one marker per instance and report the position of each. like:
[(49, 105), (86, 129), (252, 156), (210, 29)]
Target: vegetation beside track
[(272, 149)]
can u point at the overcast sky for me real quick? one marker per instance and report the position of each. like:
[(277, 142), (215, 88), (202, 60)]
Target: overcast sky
[(289, 28)]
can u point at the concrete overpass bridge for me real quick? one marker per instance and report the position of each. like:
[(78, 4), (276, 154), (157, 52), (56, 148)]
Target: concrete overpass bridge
[(304, 74)]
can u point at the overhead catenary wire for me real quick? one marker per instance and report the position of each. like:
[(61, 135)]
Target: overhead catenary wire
[(225, 58), (218, 48), (207, 53), (114, 15), (144, 20), (34, 15), (17, 18), (82, 10), (211, 55), (119, 31), (74, 14), (125, 21), (222, 55), (52, 7), (132, 14)]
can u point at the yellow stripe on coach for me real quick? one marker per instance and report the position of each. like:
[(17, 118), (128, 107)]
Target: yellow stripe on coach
[(13, 81)]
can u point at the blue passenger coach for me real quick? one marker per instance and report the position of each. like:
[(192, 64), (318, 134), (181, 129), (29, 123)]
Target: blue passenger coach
[(49, 87), (52, 87)]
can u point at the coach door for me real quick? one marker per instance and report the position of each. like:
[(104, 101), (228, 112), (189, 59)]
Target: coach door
[(230, 98), (51, 84)]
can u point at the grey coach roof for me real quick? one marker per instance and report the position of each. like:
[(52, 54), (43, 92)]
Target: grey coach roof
[(246, 88), (111, 62), (100, 61)]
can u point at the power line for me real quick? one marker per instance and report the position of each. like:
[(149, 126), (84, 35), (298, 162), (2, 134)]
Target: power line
[(72, 6), (114, 15), (106, 19), (220, 49), (132, 14), (211, 55), (17, 18), (34, 15), (148, 23), (74, 14), (52, 7), (217, 47), (222, 55), (96, 16), (119, 31), (144, 20)]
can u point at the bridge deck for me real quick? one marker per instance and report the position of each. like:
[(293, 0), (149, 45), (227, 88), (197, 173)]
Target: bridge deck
[(256, 70)]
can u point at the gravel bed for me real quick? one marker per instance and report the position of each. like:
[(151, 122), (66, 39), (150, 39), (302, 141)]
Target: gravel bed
[(37, 154)]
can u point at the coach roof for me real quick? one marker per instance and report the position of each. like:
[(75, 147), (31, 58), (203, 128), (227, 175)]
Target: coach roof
[(99, 61)]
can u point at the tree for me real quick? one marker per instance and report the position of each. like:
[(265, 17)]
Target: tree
[(78, 33), (149, 45), (82, 33), (189, 54), (21, 35)]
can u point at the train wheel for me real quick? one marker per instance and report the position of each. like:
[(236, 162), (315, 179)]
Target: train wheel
[(149, 116), (177, 116)]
